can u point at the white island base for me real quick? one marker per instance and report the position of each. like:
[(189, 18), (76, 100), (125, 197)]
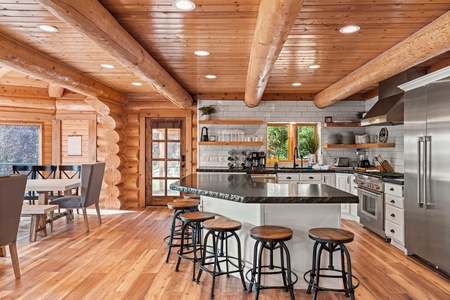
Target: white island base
[(299, 217)]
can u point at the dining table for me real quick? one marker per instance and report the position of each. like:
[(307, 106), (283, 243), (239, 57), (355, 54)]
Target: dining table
[(45, 187)]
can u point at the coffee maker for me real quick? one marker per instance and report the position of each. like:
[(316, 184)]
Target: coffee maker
[(258, 159)]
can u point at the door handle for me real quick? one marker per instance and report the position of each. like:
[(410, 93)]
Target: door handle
[(419, 171), (393, 215)]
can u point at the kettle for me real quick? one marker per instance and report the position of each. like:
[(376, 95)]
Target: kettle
[(204, 134)]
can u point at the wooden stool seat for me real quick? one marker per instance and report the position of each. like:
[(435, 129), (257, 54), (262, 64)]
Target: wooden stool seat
[(271, 233), (222, 224), (331, 235), (196, 216), (185, 204)]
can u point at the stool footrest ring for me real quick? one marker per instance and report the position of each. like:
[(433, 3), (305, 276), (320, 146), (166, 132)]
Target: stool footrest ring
[(251, 279), (321, 288)]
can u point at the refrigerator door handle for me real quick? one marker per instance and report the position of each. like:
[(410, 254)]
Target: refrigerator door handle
[(419, 171), (427, 173)]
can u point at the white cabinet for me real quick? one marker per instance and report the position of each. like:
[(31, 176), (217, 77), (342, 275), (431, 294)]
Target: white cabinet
[(345, 182), (395, 214), (288, 177), (312, 178), (329, 178)]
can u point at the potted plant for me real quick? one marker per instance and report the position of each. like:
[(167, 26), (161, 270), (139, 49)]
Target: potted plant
[(207, 111), (312, 145)]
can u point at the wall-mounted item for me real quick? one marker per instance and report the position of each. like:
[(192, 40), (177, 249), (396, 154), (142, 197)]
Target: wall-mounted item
[(328, 119), (383, 135), (74, 145)]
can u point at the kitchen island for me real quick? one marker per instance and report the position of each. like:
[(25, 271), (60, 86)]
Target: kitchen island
[(297, 206)]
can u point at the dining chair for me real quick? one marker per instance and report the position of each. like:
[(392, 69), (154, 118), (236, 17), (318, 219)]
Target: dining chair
[(44, 172), (69, 172), (12, 189), (91, 184), (28, 170)]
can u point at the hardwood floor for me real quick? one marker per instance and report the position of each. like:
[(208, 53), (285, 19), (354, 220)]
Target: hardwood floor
[(124, 259)]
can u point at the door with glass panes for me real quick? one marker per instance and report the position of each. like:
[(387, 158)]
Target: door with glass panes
[(165, 158)]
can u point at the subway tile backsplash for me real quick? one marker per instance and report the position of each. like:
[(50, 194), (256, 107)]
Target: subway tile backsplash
[(297, 111)]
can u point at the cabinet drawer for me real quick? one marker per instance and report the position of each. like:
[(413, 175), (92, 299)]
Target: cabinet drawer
[(395, 201), (393, 189), (395, 215), (395, 231), (311, 177), (288, 177)]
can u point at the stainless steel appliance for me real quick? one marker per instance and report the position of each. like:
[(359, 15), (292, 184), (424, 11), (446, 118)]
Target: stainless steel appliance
[(258, 159), (371, 210), (341, 162), (427, 173)]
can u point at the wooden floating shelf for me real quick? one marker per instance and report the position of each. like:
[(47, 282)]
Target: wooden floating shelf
[(359, 146), (342, 124), (231, 143), (242, 122)]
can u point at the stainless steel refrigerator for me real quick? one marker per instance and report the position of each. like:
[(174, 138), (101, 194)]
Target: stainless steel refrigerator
[(427, 173)]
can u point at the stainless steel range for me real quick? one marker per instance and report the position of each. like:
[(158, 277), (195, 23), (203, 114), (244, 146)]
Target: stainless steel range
[(371, 200)]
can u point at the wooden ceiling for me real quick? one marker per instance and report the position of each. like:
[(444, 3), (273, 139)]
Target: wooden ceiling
[(151, 42)]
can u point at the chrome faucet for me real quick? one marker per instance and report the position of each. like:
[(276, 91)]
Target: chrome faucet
[(295, 156)]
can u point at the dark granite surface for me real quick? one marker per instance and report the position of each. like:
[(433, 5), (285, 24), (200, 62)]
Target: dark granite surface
[(241, 188)]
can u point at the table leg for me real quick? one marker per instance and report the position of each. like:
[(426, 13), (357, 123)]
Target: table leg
[(2, 251), (43, 223), (42, 198), (34, 227)]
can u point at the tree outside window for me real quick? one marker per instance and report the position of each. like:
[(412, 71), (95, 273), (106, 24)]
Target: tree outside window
[(19, 145), (282, 138)]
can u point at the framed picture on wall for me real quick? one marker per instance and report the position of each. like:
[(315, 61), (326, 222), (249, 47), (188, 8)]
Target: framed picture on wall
[(74, 145)]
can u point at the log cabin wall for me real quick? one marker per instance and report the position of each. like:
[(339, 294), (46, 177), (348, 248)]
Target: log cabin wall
[(133, 175)]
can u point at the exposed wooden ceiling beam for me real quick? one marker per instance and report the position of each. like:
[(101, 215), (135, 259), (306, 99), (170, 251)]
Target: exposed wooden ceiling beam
[(94, 21), (55, 91), (25, 60), (428, 42), (273, 25), (4, 71)]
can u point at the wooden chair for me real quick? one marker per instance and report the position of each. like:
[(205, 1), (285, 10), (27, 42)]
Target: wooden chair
[(91, 184), (12, 189), (44, 172), (28, 170), (69, 172)]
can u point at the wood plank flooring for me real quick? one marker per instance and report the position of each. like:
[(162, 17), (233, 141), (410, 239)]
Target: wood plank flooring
[(124, 259)]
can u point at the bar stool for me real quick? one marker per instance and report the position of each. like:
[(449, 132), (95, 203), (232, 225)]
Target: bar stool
[(179, 207), (271, 238), (192, 220), (331, 240), (219, 261)]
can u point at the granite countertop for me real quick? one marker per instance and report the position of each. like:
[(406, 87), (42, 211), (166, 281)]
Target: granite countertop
[(241, 188)]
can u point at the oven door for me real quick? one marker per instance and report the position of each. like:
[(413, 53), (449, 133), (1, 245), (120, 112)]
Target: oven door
[(371, 210)]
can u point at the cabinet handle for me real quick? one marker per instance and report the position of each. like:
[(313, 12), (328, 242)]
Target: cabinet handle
[(310, 177), (391, 189), (392, 201), (393, 215), (392, 230), (289, 177)]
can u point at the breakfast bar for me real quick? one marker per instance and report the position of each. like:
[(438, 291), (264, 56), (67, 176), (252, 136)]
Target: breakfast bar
[(255, 202)]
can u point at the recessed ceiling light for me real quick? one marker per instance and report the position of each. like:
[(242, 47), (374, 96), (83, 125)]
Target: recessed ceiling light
[(314, 66), (350, 29), (107, 66), (48, 28), (201, 53), (210, 76), (136, 83), (185, 5), (296, 84)]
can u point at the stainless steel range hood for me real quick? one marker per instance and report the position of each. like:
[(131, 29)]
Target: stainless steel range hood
[(388, 110)]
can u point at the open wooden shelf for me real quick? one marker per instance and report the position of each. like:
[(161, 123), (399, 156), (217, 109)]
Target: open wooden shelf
[(232, 122), (359, 146), (342, 124), (231, 143)]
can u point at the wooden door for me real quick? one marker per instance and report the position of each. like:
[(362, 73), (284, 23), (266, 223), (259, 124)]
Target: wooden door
[(165, 147)]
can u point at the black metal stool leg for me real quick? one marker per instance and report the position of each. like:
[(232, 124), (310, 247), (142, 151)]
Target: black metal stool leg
[(312, 274)]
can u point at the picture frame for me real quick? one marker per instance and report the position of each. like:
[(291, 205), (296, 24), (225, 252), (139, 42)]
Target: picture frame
[(74, 145), (329, 119)]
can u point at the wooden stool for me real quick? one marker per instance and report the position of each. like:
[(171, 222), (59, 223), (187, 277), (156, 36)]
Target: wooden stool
[(194, 221), (221, 230), (271, 238), (179, 207), (331, 240)]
